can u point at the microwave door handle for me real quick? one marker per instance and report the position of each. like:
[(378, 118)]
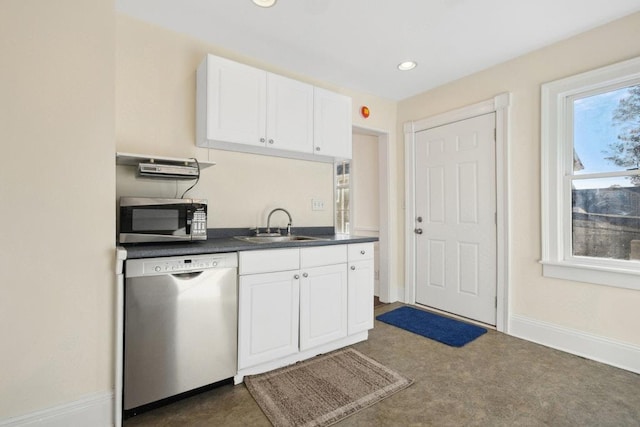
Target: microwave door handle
[(189, 221)]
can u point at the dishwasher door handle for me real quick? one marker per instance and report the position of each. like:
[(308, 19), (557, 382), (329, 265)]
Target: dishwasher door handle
[(187, 276)]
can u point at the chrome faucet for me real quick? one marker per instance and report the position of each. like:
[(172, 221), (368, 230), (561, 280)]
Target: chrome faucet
[(269, 220)]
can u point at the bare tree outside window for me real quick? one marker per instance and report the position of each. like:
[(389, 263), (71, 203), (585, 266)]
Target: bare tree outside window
[(625, 152)]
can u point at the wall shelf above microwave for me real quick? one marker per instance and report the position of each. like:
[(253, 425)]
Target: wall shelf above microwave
[(162, 167), (129, 159)]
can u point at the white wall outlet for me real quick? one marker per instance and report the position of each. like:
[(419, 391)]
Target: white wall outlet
[(317, 205)]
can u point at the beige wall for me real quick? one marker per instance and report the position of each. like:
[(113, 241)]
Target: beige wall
[(155, 113), (364, 184), (56, 198), (600, 310), (57, 134), (155, 100)]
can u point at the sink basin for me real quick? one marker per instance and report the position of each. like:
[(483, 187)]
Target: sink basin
[(275, 239)]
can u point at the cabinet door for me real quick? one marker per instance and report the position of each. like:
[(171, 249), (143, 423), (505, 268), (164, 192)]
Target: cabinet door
[(289, 114), (332, 124), (267, 317), (231, 102), (360, 296), (323, 305)]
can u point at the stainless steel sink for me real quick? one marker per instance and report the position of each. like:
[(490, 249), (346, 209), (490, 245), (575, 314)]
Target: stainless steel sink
[(275, 239)]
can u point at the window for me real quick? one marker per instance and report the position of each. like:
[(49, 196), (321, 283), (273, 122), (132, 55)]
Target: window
[(591, 176), (342, 196)]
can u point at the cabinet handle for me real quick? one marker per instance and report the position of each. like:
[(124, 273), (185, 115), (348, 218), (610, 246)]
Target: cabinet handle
[(305, 275), (353, 267), (317, 148), (271, 141), (362, 252), (296, 277), (261, 139)]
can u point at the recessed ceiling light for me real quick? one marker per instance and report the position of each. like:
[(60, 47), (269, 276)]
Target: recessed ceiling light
[(264, 3), (407, 65)]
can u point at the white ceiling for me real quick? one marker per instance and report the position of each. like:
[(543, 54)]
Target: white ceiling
[(358, 43)]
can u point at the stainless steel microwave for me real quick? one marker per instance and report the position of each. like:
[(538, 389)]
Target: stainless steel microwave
[(145, 219)]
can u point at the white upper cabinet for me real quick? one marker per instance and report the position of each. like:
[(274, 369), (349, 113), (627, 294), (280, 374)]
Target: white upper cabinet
[(231, 102), (242, 108), (289, 114), (332, 124)]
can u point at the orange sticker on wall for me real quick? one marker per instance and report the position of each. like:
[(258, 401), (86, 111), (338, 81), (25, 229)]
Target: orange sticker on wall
[(364, 111)]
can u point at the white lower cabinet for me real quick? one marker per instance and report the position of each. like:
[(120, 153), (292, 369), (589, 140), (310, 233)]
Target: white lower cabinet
[(267, 317), (323, 305), (361, 277), (297, 303)]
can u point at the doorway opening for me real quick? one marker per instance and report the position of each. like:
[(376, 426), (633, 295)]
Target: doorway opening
[(365, 206)]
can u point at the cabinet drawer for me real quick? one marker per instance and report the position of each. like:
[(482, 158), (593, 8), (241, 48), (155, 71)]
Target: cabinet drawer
[(251, 262), (358, 251), (323, 255)]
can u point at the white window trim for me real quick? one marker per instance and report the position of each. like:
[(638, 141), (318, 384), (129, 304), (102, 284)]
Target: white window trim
[(557, 159)]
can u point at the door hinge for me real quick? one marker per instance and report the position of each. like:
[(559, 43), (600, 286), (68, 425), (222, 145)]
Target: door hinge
[(496, 302), (495, 218), (495, 134)]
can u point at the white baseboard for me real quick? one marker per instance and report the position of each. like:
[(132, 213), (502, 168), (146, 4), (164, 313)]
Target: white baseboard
[(615, 353), (95, 410)]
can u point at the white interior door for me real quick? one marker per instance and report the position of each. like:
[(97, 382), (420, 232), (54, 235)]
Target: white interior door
[(455, 199)]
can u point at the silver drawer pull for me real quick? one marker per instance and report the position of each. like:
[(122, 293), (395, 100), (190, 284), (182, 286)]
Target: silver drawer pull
[(362, 252), (296, 277), (305, 275)]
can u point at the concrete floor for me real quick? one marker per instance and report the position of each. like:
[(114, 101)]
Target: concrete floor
[(496, 380)]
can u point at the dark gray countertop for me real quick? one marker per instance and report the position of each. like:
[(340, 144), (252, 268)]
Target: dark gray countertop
[(222, 240)]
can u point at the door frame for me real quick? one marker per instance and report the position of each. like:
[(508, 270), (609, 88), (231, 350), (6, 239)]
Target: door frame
[(499, 105), (388, 292)]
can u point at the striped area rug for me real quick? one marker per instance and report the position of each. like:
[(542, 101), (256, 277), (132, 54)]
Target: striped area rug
[(323, 390)]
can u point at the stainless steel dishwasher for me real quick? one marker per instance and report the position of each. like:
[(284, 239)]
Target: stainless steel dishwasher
[(180, 325)]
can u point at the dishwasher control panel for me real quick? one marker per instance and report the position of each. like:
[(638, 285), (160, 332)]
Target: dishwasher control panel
[(183, 264), (177, 266)]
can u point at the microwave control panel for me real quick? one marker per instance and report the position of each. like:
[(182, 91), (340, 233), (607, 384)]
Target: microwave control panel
[(199, 225)]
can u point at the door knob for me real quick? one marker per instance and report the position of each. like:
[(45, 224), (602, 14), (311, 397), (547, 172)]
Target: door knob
[(419, 219), (418, 231)]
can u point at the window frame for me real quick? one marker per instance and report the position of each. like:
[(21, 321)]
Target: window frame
[(557, 174)]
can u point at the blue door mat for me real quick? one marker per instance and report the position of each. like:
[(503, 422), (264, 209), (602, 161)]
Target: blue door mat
[(443, 329)]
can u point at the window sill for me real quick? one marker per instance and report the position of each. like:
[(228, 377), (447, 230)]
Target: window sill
[(589, 273)]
